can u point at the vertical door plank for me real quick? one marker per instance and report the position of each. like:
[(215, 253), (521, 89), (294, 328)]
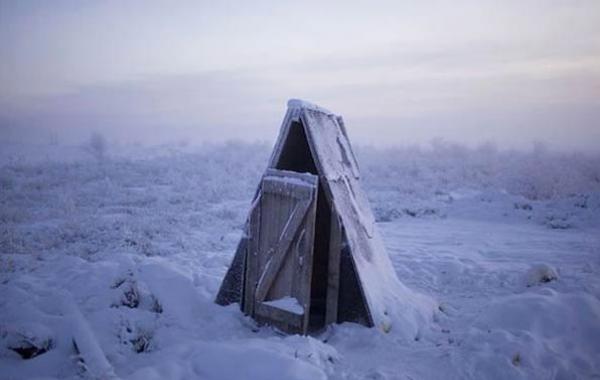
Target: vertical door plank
[(251, 258), (333, 276), (306, 257)]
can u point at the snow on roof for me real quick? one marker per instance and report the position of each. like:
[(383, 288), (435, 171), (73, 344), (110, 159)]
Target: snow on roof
[(299, 103)]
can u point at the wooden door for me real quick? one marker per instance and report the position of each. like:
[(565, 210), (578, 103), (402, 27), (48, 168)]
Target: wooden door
[(280, 251)]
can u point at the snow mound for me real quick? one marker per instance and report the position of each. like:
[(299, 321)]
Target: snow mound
[(543, 335), (28, 340), (216, 361), (540, 274)]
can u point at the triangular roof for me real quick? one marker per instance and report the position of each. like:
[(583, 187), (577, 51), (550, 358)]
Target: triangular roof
[(386, 299)]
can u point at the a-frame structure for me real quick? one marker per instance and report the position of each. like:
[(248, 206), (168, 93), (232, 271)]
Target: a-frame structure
[(310, 254)]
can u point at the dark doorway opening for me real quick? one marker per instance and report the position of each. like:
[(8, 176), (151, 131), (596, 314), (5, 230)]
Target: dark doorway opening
[(296, 156)]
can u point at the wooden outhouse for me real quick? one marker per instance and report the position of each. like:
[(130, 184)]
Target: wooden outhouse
[(310, 254)]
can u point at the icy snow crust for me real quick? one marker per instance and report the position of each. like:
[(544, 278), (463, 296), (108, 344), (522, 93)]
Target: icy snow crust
[(126, 255), (287, 303)]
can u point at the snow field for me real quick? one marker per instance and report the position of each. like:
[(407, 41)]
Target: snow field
[(126, 254)]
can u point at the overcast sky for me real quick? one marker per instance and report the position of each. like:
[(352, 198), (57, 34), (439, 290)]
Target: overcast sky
[(399, 71)]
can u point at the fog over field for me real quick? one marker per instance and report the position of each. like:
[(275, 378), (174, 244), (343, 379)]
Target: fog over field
[(468, 72)]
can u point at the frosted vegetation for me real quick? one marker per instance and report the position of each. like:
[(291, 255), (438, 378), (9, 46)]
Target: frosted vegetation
[(129, 244), (538, 174)]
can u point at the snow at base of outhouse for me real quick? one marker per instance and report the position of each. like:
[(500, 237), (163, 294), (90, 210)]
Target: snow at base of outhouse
[(288, 304)]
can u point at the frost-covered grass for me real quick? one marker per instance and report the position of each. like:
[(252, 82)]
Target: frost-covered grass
[(90, 207), (536, 175), (136, 241)]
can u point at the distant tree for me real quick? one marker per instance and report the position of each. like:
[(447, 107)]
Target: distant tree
[(97, 146), (53, 138)]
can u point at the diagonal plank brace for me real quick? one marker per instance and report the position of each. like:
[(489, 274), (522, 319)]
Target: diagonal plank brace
[(281, 250)]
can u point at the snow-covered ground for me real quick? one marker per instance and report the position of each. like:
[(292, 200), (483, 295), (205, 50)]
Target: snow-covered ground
[(124, 254)]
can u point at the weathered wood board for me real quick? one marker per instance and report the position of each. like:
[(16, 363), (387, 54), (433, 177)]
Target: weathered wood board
[(279, 258)]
